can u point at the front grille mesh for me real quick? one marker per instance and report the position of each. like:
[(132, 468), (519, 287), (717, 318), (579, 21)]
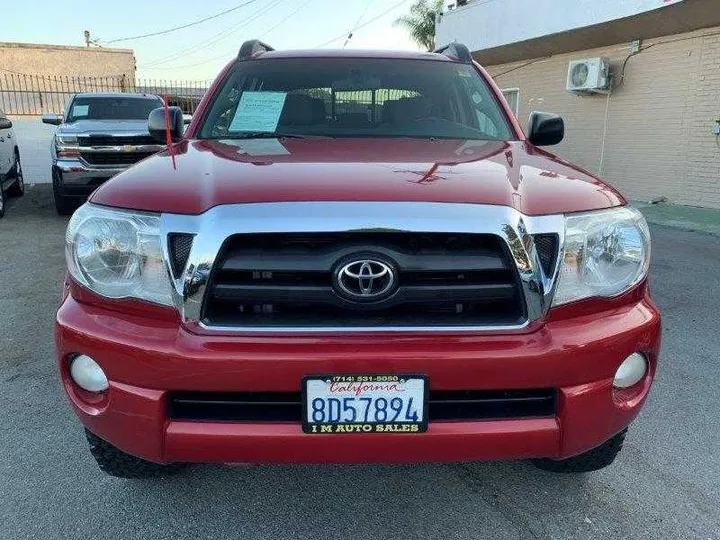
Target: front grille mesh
[(547, 247), (109, 140), (108, 158), (286, 280), (179, 245)]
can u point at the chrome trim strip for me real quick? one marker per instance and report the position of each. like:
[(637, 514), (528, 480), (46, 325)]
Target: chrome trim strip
[(114, 135), (280, 330), (76, 171), (213, 227), (121, 149)]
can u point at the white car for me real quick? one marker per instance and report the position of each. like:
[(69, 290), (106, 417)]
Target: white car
[(11, 176)]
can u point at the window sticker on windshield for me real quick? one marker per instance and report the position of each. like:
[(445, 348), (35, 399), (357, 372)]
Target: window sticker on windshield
[(80, 110), (258, 111), (259, 147)]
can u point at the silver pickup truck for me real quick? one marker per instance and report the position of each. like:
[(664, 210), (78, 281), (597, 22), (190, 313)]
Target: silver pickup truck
[(98, 136)]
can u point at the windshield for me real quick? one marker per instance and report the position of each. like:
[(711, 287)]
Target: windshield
[(112, 108), (351, 97)]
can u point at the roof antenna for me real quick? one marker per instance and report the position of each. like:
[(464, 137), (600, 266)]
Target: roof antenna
[(168, 136)]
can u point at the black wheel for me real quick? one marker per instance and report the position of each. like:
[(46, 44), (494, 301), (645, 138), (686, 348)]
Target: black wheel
[(18, 187), (117, 463), (592, 460), (63, 204), (2, 202)]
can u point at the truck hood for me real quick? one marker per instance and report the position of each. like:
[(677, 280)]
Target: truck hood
[(210, 173), (106, 127)]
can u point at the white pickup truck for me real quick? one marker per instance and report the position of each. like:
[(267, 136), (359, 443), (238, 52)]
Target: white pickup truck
[(11, 177), (99, 136)]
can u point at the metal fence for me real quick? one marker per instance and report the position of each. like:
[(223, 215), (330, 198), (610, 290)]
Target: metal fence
[(35, 95)]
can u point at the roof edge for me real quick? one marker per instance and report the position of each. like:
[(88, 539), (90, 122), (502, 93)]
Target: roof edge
[(681, 18), (17, 45)]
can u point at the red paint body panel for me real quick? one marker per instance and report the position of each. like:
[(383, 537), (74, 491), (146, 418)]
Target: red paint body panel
[(211, 173), (447, 441), (146, 356)]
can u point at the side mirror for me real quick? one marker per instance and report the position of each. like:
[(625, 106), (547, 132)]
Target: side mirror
[(5, 123), (545, 129), (52, 119), (156, 124)]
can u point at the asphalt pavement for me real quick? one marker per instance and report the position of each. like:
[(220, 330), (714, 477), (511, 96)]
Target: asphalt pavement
[(665, 483)]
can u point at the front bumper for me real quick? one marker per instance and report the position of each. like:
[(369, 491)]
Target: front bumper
[(146, 357), (75, 178)]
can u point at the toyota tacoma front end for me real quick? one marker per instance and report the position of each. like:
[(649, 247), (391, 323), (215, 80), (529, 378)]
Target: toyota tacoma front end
[(356, 257)]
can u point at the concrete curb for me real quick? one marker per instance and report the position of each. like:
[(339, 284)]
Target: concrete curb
[(687, 218)]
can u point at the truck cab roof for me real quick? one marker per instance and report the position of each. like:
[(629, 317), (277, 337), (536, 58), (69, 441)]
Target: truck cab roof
[(351, 53), (125, 95)]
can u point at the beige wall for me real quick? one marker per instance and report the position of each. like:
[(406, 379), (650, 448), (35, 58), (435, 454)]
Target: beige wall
[(652, 137), (57, 60)]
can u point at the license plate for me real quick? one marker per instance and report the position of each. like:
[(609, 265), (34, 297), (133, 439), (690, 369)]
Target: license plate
[(365, 404)]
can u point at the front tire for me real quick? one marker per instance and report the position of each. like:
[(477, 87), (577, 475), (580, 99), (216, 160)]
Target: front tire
[(18, 187), (115, 462), (592, 460)]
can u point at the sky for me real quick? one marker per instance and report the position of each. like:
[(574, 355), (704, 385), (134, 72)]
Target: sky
[(200, 51)]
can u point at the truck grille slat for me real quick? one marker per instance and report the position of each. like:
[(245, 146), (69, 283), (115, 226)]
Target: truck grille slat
[(271, 294), (290, 280), (322, 260), (115, 140), (110, 158), (444, 405)]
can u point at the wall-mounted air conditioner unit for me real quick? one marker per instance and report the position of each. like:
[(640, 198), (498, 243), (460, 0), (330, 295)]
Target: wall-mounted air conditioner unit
[(591, 75)]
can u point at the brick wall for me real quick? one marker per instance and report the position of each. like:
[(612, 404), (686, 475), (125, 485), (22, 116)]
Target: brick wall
[(652, 137), (60, 60)]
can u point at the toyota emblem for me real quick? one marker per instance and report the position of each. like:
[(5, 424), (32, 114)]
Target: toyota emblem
[(365, 279)]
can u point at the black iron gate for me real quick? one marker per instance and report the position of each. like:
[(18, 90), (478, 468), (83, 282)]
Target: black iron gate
[(34, 95)]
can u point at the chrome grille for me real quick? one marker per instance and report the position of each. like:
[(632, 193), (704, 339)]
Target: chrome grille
[(215, 229)]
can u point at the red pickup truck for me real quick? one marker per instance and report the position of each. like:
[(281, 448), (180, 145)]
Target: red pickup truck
[(355, 257)]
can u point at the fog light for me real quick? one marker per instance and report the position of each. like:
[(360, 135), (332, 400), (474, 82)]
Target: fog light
[(87, 374), (631, 371)]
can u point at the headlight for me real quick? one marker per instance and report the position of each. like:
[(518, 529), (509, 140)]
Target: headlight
[(118, 254), (66, 140), (66, 145), (605, 254)]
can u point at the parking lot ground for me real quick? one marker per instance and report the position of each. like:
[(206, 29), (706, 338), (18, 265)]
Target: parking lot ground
[(665, 484)]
